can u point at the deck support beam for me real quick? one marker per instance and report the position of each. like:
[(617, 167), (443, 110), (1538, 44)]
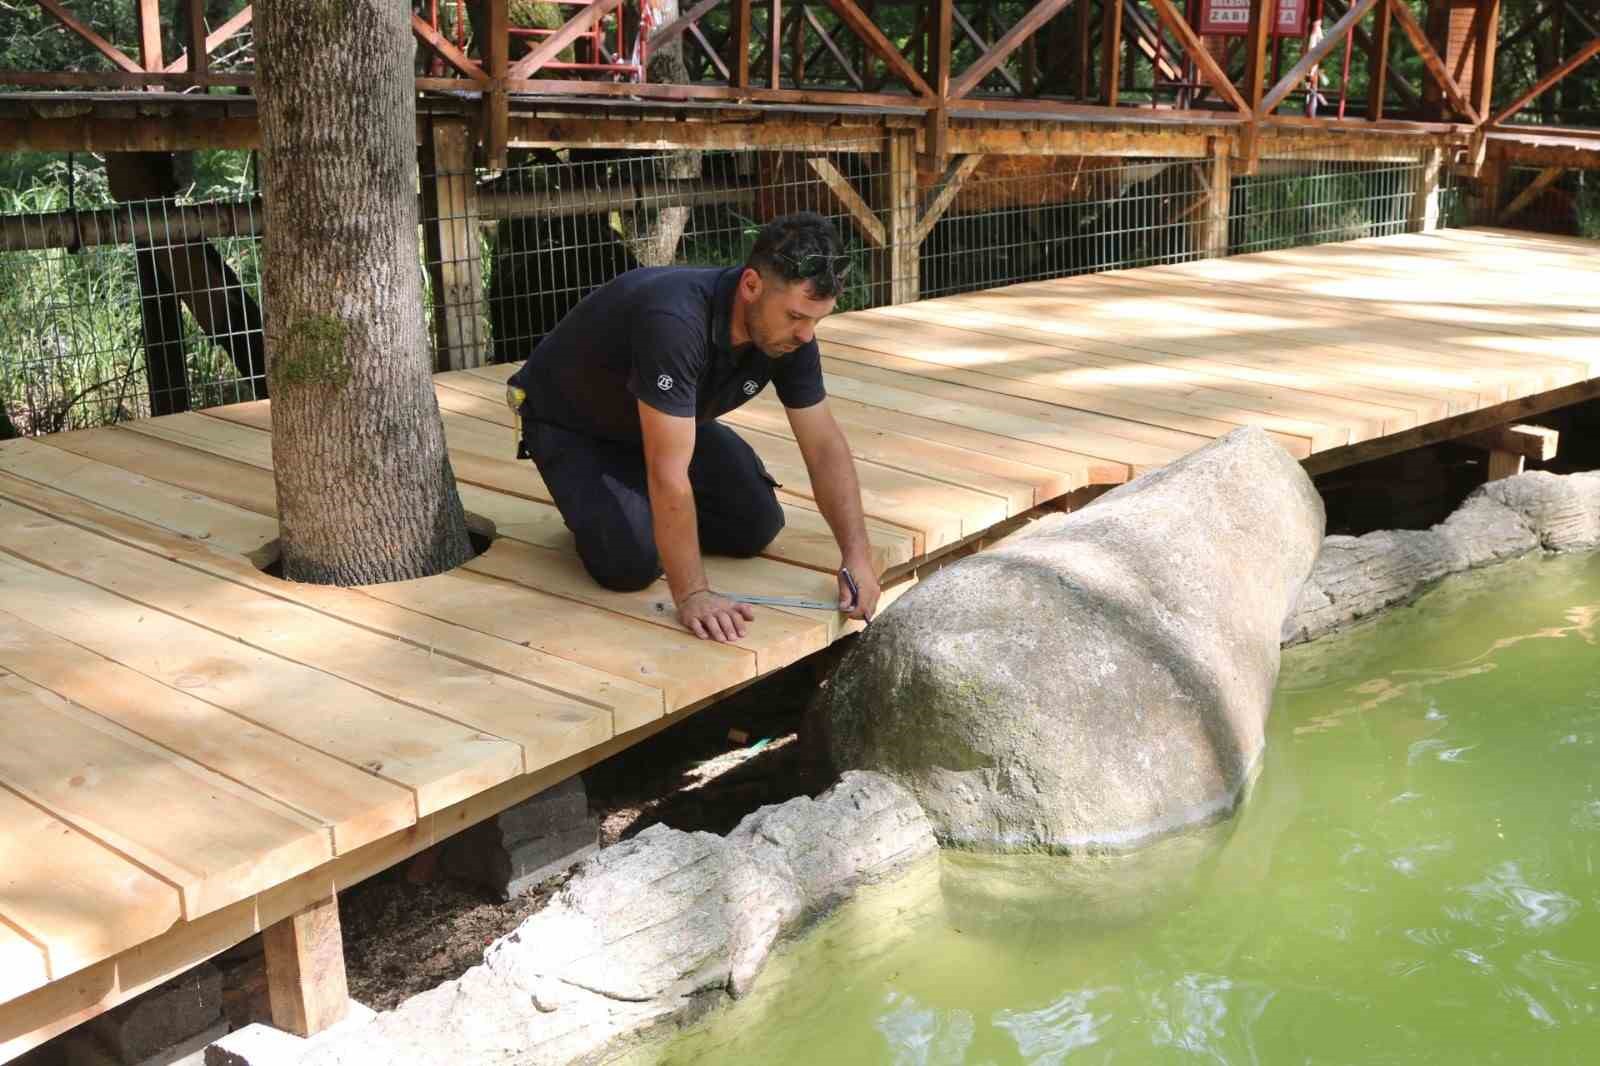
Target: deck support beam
[(1424, 214), (899, 199), (305, 969)]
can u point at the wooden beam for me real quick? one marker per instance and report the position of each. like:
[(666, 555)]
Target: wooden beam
[(446, 50), (1334, 38), (497, 101), (1219, 196), (1546, 178), (1263, 13), (1041, 12), (1583, 55), (1503, 464), (1085, 50), (1430, 59), (775, 43), (196, 10), (1380, 58), (1450, 428), (216, 38), (306, 983), (861, 214), (101, 45), (571, 30), (1486, 30), (864, 28), (711, 53), (1110, 50), (1424, 215), (450, 213), (1530, 442), (936, 139), (148, 15), (739, 44), (1179, 27), (950, 184)]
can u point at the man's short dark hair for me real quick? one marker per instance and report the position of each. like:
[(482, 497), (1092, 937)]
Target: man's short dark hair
[(802, 245)]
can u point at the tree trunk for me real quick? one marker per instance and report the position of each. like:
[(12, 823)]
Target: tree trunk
[(365, 489)]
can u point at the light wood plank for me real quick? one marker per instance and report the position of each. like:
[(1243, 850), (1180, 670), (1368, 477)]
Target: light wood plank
[(684, 667), (1369, 381), (1258, 382), (239, 484), (806, 540), (545, 726), (775, 638), (181, 525), (356, 807), (22, 965), (81, 900), (215, 840), (440, 760), (1038, 373)]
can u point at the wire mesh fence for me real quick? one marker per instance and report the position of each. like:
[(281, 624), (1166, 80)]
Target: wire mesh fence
[(154, 306)]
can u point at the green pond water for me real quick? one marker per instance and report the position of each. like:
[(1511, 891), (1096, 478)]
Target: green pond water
[(1411, 880)]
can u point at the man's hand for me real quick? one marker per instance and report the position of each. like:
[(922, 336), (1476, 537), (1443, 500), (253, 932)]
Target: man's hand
[(865, 603), (712, 617)]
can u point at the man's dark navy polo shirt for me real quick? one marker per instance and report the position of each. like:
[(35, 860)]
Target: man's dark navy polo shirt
[(662, 335)]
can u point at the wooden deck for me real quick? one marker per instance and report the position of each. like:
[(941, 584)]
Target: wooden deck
[(191, 750)]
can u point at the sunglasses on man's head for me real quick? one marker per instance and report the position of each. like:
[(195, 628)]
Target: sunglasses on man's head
[(816, 264)]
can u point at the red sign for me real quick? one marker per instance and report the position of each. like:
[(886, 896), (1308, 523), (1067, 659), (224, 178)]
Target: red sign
[(1233, 16)]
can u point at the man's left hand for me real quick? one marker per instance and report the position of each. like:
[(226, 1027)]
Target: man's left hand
[(866, 603)]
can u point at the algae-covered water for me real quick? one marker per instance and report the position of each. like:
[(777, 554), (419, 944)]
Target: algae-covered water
[(1412, 880)]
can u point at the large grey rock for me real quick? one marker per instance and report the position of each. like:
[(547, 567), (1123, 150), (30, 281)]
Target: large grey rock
[(1104, 678), (1356, 577), (650, 930)]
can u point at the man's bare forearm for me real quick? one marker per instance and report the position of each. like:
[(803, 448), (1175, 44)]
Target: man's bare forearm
[(838, 496), (677, 534)]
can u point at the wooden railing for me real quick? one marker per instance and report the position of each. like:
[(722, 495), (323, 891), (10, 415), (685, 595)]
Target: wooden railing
[(835, 53)]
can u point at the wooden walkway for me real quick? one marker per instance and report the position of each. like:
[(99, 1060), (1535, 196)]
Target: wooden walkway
[(191, 750)]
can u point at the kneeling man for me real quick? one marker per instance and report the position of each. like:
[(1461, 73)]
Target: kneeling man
[(620, 416)]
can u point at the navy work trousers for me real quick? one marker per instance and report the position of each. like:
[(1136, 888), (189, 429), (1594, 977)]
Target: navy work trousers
[(601, 490)]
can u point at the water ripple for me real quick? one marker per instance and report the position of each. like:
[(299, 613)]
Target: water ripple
[(1045, 1037)]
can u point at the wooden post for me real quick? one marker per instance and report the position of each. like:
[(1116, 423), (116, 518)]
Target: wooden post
[(1483, 49), (450, 235), (497, 52), (899, 197), (1085, 64), (1425, 197), (305, 970), (936, 137), (775, 44), (1214, 232), (1111, 51), (1380, 62), (1490, 191), (1509, 446), (150, 176), (148, 16), (739, 42)]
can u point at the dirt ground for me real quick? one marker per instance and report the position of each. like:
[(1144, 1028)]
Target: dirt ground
[(409, 928)]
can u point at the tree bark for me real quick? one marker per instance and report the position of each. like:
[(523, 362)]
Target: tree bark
[(365, 489)]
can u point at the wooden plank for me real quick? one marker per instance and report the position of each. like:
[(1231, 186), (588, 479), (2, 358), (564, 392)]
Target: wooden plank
[(475, 443), (1339, 390), (1060, 472), (78, 899), (221, 479), (685, 668), (355, 807), (1453, 427), (544, 725), (185, 526), (1255, 313), (22, 964), (1533, 442), (1131, 442), (216, 841), (1388, 373), (1043, 375), (776, 638), (306, 984), (440, 760)]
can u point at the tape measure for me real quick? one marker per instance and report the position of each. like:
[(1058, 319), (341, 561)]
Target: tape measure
[(514, 398)]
